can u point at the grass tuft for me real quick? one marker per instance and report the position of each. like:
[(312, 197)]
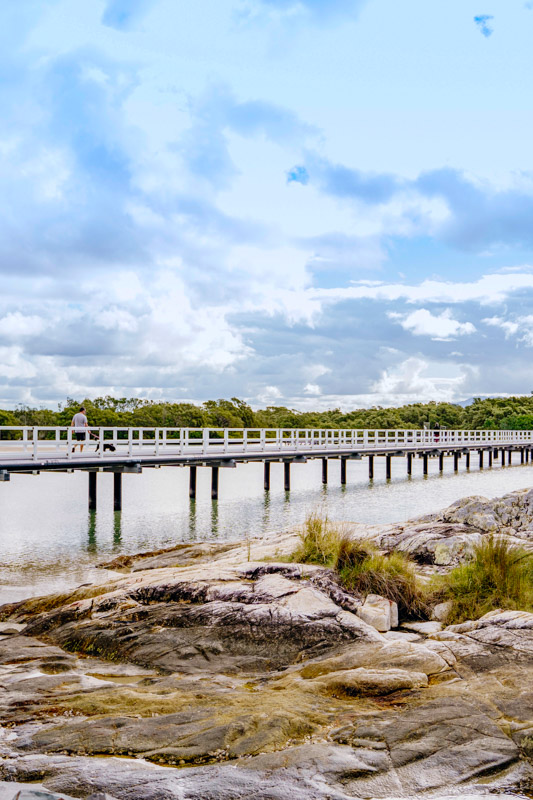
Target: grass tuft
[(500, 575), (362, 569)]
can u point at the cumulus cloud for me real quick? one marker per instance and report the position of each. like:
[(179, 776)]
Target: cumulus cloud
[(440, 327)]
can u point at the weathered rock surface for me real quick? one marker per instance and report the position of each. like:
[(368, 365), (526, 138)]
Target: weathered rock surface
[(200, 673)]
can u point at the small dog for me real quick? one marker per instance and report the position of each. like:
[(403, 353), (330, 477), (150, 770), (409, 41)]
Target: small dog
[(107, 445)]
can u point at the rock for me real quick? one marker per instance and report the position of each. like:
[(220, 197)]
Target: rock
[(442, 611), (379, 612), (425, 628), (371, 682)]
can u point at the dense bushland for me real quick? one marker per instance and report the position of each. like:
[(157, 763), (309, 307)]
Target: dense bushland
[(509, 413)]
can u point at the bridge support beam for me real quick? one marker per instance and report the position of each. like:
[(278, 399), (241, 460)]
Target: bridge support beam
[(324, 470), (480, 459), (456, 457), (388, 471), (425, 459), (467, 458), (522, 455), (503, 457), (509, 457), (343, 472), (192, 483), (117, 491), (92, 491), (409, 463), (287, 475), (441, 461), (266, 476), (490, 457), (214, 483), (371, 468)]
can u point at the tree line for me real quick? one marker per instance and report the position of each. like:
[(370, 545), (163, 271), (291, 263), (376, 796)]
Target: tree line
[(512, 413)]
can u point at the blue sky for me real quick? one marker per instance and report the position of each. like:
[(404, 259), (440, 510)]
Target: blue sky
[(314, 203)]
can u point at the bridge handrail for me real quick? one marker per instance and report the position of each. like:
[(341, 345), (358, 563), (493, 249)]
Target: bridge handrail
[(43, 441)]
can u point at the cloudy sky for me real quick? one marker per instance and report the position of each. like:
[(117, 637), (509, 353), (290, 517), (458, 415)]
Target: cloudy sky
[(313, 203)]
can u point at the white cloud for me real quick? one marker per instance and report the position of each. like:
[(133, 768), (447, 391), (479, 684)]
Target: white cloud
[(440, 327), (417, 380), (15, 325)]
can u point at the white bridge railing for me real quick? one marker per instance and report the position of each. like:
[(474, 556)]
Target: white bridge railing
[(41, 443)]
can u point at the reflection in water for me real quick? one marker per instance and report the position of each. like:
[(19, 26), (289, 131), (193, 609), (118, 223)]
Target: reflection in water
[(117, 530), (214, 519), (91, 533), (192, 519)]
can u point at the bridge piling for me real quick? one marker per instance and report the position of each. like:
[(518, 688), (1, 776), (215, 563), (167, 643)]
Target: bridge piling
[(324, 470), (343, 472), (509, 457), (92, 490), (467, 459), (409, 463), (287, 475), (117, 491), (441, 461), (522, 455), (490, 457), (425, 459), (266, 476), (388, 467), (192, 483), (502, 452), (456, 457), (480, 459), (371, 468)]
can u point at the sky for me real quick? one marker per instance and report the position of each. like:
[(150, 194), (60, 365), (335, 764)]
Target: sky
[(311, 203)]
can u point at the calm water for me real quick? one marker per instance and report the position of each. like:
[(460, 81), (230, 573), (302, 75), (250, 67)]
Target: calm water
[(49, 541)]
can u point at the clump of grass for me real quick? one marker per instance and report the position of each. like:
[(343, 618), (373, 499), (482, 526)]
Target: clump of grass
[(319, 542), (500, 575), (362, 569)]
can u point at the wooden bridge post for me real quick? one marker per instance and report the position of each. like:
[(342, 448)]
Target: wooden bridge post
[(371, 468), (456, 457), (287, 475), (117, 491), (490, 457), (425, 463), (192, 483), (441, 461), (409, 463), (480, 459), (509, 457), (266, 476), (92, 491), (522, 455), (388, 473), (343, 472), (214, 483), (467, 459), (502, 451), (324, 470)]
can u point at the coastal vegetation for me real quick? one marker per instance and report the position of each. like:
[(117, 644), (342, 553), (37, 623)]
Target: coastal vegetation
[(494, 413), (361, 568), (499, 575)]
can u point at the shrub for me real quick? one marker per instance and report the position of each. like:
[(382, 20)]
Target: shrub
[(500, 575), (362, 569)]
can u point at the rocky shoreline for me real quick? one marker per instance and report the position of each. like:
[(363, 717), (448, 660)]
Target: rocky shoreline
[(224, 671)]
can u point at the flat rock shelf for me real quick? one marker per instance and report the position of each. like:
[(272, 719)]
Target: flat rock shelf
[(226, 671)]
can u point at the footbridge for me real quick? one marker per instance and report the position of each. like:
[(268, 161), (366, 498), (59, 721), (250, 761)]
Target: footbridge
[(32, 450)]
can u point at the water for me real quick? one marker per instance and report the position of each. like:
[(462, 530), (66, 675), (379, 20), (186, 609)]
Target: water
[(50, 542)]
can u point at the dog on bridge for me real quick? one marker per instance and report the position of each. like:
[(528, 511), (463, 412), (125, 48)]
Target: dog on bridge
[(107, 445)]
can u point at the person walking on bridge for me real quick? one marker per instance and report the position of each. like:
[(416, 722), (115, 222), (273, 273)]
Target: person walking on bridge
[(79, 420)]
